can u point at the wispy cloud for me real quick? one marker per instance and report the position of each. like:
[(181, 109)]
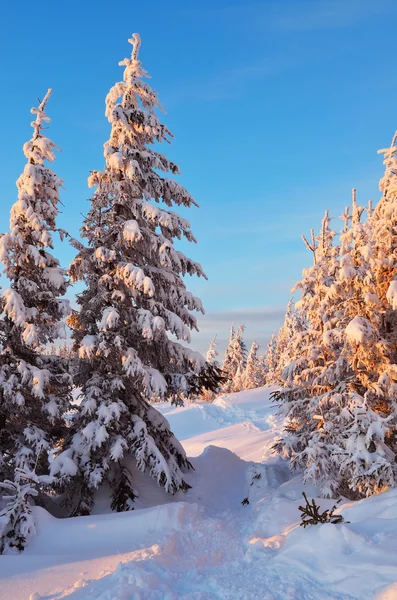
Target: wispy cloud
[(260, 323), (269, 18), (248, 316), (299, 15), (229, 82), (310, 15)]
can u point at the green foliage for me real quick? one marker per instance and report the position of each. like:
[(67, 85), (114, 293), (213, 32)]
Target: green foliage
[(311, 515)]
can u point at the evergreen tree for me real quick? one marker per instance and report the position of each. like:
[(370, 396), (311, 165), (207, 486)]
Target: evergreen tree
[(238, 380), (208, 394), (34, 388), (383, 222), (384, 227), (312, 351), (270, 361), (253, 372), (227, 361), (356, 408), (342, 412), (287, 341), (263, 368), (212, 353), (135, 298), (236, 355)]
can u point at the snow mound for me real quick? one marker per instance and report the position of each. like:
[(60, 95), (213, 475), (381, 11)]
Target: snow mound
[(206, 545)]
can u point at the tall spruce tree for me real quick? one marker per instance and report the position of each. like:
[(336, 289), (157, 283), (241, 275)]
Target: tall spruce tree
[(135, 300), (34, 387), (313, 351)]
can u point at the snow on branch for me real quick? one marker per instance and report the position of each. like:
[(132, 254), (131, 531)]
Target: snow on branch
[(135, 40), (40, 115)]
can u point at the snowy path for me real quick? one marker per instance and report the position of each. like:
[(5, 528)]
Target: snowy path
[(205, 545)]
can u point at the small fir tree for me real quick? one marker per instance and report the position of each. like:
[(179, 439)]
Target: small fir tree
[(236, 356), (288, 341), (253, 372), (270, 361), (213, 353), (209, 394), (227, 361)]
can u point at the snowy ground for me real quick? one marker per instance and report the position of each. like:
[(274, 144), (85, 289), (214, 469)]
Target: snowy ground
[(205, 545)]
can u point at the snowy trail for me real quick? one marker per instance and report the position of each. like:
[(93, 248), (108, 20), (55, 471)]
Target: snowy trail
[(204, 545), (245, 423)]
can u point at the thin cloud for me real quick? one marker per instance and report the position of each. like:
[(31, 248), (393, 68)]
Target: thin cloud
[(228, 83), (329, 14), (300, 15), (247, 316), (260, 323)]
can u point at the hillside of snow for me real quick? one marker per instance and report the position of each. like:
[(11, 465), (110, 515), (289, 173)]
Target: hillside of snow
[(205, 545)]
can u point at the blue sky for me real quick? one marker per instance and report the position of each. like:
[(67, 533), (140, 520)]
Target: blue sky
[(278, 108)]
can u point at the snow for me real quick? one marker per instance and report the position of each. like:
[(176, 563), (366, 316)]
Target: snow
[(359, 330), (131, 231), (204, 545), (110, 318), (392, 294)]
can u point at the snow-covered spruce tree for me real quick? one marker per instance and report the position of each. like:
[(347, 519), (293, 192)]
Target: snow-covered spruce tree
[(263, 368), (383, 222), (253, 371), (212, 354), (270, 361), (237, 359), (288, 341), (342, 420), (135, 298), (209, 394), (34, 387), (299, 399), (227, 361), (384, 230), (357, 413)]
